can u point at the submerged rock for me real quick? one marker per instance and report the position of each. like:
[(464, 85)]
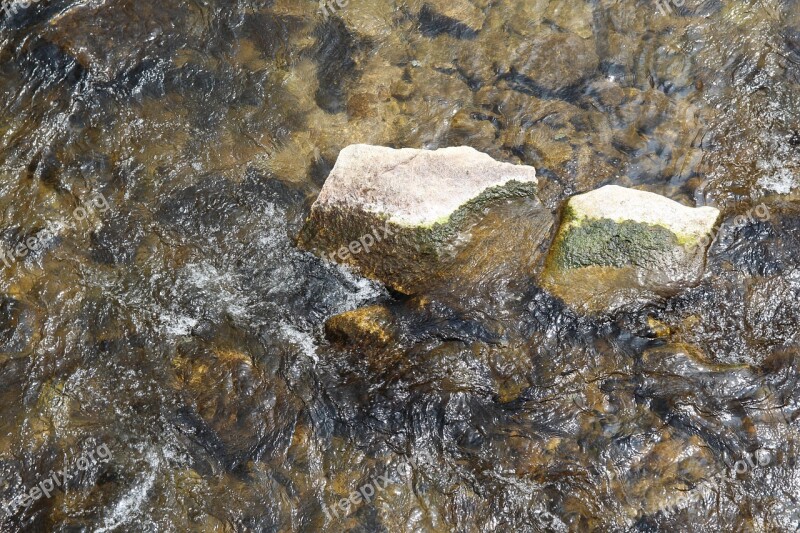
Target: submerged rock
[(619, 246), (370, 326), (403, 216), (459, 18), (374, 335), (555, 62)]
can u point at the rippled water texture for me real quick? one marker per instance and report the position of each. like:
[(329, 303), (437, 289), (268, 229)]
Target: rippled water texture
[(171, 151)]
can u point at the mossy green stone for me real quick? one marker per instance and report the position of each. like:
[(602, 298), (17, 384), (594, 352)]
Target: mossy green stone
[(618, 246)]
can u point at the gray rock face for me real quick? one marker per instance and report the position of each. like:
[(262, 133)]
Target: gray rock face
[(415, 187), (618, 246), (403, 216)]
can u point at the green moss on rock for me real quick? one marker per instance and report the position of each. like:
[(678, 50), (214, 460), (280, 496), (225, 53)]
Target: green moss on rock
[(619, 247), (607, 243)]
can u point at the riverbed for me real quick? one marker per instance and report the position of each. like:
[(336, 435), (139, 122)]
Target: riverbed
[(172, 150)]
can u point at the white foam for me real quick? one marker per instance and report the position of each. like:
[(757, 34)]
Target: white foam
[(777, 177), (305, 341), (126, 510), (366, 289), (220, 286), (177, 325)]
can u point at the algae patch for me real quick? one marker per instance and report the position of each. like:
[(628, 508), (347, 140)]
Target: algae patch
[(613, 244)]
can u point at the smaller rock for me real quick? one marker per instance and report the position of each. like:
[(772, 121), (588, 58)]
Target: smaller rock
[(367, 19), (402, 90), (657, 328), (362, 105), (618, 246), (575, 17), (372, 335), (472, 129), (606, 93)]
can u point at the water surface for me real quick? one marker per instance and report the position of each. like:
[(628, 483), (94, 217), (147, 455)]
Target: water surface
[(175, 321)]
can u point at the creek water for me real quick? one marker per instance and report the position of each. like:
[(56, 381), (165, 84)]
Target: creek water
[(172, 150)]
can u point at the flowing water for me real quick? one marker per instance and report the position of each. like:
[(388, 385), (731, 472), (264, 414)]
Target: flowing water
[(157, 160)]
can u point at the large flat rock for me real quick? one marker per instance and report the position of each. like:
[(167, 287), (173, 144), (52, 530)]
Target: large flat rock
[(618, 246), (404, 216), (415, 187)]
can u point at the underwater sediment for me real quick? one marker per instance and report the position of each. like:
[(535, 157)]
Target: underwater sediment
[(159, 162)]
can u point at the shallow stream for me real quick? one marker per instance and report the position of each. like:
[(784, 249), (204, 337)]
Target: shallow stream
[(163, 156)]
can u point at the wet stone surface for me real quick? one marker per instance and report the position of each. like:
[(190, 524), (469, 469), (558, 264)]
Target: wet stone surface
[(618, 247), (412, 218)]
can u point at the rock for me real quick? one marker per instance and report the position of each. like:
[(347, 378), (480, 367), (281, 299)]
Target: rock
[(469, 127), (459, 18), (368, 327), (231, 401), (607, 94), (512, 16), (373, 336), (651, 109), (402, 90), (619, 246), (555, 62), (402, 216), (575, 17), (368, 19)]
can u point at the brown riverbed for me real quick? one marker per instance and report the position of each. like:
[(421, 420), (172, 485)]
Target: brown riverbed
[(163, 156)]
